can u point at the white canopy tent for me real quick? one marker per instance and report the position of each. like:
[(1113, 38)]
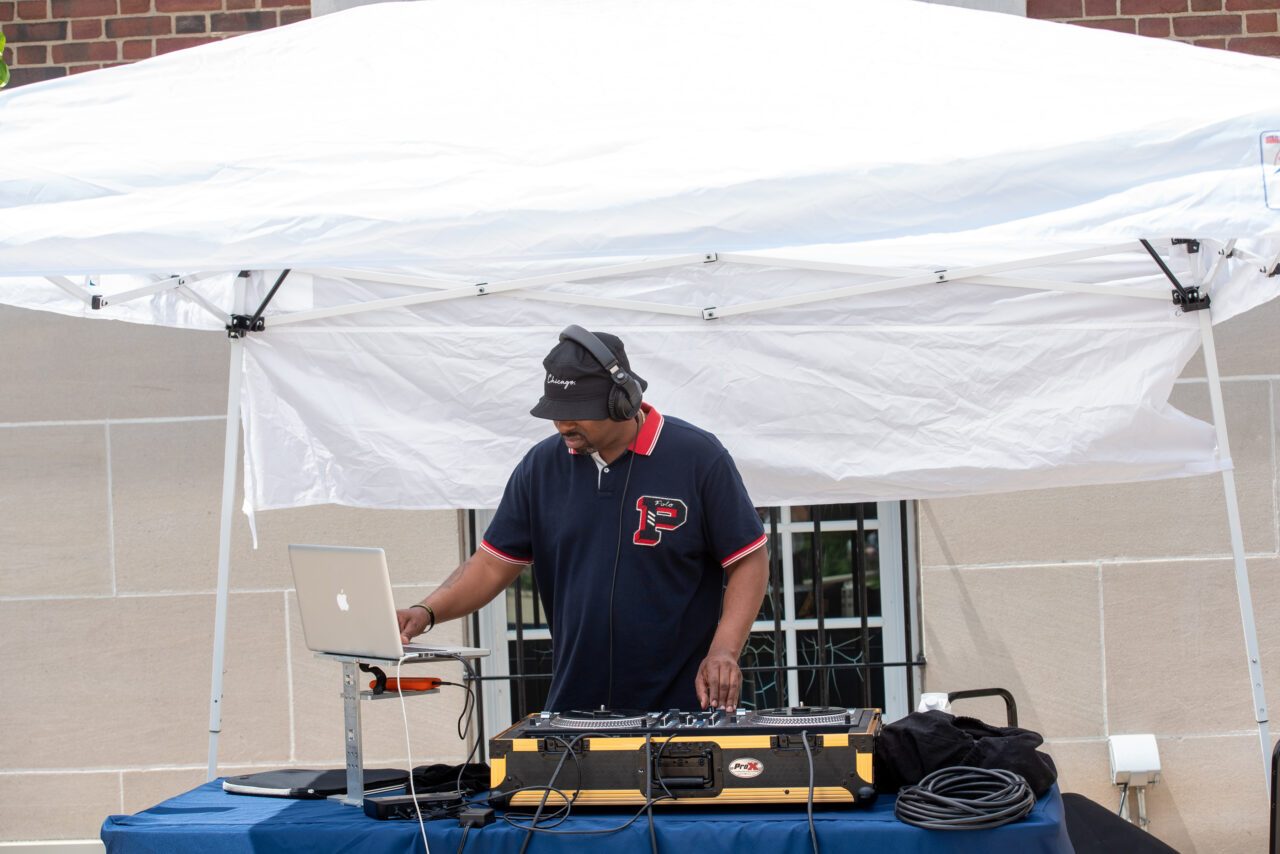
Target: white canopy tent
[(884, 250)]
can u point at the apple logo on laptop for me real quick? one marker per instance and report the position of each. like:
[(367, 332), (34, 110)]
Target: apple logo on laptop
[(343, 604)]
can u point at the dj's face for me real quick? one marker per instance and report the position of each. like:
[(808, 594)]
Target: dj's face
[(587, 437)]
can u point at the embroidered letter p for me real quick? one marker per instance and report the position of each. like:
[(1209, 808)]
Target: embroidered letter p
[(658, 515)]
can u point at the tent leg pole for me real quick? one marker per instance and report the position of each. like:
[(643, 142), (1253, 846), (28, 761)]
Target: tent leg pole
[(1237, 548), (232, 444)]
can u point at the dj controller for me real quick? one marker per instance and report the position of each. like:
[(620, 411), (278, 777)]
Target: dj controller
[(614, 757)]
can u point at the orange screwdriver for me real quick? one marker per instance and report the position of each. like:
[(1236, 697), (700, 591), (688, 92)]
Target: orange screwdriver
[(410, 683)]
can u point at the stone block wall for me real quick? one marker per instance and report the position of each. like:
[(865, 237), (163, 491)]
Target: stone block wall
[(111, 438)]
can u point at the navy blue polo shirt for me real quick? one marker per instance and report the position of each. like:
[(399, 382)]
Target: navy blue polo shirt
[(676, 503)]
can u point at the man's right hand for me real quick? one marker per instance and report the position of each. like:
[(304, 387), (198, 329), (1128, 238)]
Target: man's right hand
[(413, 622), (479, 579)]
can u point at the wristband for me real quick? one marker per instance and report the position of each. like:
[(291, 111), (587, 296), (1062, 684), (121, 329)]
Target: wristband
[(431, 615)]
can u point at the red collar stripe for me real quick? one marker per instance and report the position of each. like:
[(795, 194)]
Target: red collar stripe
[(501, 555), (745, 550), (647, 438)]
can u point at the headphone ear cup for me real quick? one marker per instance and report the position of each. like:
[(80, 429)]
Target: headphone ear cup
[(619, 404), (624, 401)]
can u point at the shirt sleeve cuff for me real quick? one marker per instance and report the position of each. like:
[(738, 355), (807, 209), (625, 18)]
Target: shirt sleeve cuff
[(501, 555), (745, 550)]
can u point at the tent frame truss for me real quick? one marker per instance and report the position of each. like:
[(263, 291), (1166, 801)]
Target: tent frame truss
[(888, 279), (181, 284), (238, 325)]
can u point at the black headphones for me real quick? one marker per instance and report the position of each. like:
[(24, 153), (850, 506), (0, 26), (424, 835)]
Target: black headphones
[(626, 394)]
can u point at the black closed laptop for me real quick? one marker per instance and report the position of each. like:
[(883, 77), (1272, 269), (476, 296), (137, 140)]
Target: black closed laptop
[(305, 783)]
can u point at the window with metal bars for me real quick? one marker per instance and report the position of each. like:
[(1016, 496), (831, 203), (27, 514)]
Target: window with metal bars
[(836, 626)]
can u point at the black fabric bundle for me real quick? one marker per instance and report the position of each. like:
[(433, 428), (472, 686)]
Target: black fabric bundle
[(912, 748), (444, 778)]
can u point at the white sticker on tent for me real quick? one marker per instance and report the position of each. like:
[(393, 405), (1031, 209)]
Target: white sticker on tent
[(1271, 167)]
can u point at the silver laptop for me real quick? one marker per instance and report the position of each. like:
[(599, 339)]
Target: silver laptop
[(344, 597)]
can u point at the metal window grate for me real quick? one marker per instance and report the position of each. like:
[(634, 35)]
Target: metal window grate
[(820, 635)]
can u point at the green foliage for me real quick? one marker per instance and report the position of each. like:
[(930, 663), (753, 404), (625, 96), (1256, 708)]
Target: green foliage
[(4, 69)]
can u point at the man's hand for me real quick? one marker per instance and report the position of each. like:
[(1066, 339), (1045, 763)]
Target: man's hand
[(480, 578), (719, 680), (413, 622)]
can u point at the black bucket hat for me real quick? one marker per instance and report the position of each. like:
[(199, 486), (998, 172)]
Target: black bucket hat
[(576, 387)]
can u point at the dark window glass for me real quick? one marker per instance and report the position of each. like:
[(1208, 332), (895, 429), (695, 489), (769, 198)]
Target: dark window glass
[(760, 688), (530, 607), (844, 684), (537, 659), (837, 571), (766, 607), (833, 512)]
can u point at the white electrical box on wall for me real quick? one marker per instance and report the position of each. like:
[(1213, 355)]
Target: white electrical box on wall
[(1135, 759)]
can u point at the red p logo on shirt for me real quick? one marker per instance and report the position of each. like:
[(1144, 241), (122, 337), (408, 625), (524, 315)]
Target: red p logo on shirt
[(658, 515)]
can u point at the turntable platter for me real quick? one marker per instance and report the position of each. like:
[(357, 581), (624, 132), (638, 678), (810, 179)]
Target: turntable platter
[(799, 716), (599, 719)]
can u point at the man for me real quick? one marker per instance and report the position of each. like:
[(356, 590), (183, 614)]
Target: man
[(649, 556)]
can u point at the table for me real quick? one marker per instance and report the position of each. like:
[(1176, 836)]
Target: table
[(206, 819)]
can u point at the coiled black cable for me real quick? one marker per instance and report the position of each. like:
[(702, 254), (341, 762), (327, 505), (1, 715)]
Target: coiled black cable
[(964, 798)]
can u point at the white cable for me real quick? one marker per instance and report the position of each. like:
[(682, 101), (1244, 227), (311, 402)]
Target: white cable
[(408, 751)]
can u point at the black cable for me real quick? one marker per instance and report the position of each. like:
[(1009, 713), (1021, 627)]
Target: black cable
[(964, 798), (605, 831), (808, 753), (469, 711), (537, 814), (657, 769), (613, 581), (1124, 794), (561, 813), (470, 699), (546, 793), (463, 844), (648, 788), (532, 827)]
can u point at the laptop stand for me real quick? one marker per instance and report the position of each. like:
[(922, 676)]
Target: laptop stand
[(352, 694)]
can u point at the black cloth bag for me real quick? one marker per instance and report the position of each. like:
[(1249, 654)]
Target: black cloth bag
[(444, 778), (923, 742)]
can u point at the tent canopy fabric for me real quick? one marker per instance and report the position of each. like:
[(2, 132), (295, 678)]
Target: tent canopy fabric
[(846, 237), (915, 392), (453, 134), (884, 250)]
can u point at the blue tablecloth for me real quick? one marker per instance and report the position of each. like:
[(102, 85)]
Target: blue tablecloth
[(207, 819)]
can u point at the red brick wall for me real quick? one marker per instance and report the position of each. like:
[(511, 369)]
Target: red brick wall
[(53, 38), (1248, 26)]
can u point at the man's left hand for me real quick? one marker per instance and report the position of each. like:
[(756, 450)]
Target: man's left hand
[(719, 680)]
